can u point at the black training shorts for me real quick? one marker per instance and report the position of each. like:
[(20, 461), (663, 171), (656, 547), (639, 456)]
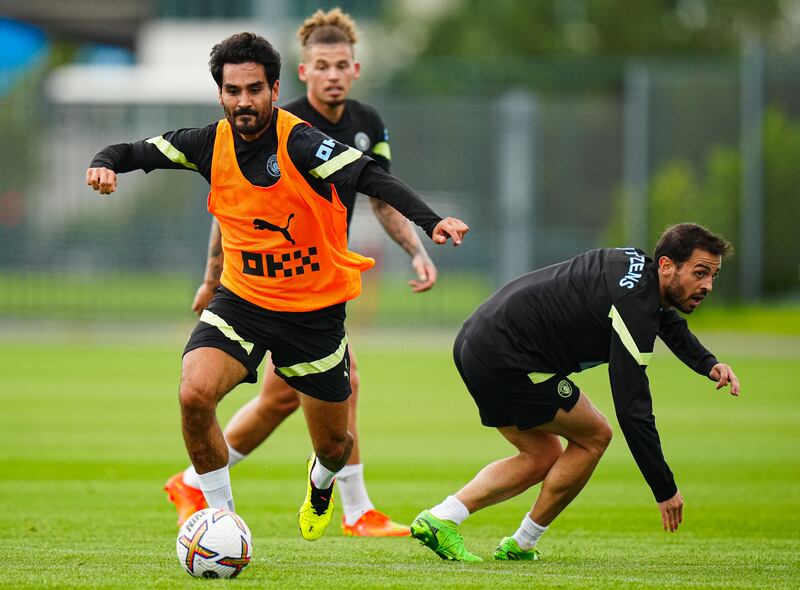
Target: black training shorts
[(309, 348), (512, 398)]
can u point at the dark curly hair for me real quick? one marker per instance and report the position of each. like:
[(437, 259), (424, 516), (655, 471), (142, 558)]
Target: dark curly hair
[(679, 241), (243, 48)]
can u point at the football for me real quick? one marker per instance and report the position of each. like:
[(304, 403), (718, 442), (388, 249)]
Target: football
[(214, 543)]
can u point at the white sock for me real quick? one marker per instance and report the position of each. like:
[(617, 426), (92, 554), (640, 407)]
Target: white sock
[(321, 476), (216, 486), (234, 456), (451, 509), (353, 492), (528, 533), (190, 475)]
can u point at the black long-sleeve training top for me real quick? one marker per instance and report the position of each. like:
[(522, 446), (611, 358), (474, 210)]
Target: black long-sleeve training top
[(192, 149), (360, 127), (602, 306)]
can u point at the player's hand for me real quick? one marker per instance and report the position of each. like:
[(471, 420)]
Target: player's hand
[(204, 295), (102, 179), (724, 375), (672, 512), (425, 271), (449, 227)]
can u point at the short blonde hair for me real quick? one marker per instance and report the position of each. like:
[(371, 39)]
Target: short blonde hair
[(327, 28)]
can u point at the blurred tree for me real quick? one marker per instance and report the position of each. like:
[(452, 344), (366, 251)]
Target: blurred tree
[(781, 201), (480, 29), (678, 192), (579, 44)]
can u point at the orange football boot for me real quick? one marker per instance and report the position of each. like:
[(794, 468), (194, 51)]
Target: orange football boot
[(187, 499), (374, 523)]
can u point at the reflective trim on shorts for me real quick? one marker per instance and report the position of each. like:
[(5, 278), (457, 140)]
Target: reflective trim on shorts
[(319, 366), (540, 377), (210, 317), (641, 358)]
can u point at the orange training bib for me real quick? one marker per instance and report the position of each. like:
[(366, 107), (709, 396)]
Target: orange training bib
[(285, 246)]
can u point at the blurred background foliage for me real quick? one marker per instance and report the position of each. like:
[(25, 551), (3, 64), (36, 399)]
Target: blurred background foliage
[(682, 190), (556, 45), (479, 30), (441, 74)]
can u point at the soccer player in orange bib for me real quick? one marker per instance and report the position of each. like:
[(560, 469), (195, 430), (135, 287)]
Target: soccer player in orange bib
[(275, 192), (328, 69)]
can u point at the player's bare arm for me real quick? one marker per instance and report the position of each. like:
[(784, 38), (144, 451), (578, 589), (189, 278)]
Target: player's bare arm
[(103, 180), (401, 231), (724, 375), (205, 292)]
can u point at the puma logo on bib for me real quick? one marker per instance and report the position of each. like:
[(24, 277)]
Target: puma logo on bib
[(261, 224)]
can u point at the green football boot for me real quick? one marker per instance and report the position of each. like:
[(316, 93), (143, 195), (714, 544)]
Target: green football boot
[(508, 550), (441, 537), (317, 508)]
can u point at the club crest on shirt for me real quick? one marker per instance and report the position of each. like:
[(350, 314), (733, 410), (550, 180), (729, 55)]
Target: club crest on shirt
[(272, 166), (361, 141)]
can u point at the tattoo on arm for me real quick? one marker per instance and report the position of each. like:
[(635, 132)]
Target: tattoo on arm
[(215, 254), (397, 227)]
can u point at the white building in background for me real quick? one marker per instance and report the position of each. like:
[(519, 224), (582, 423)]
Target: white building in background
[(171, 66)]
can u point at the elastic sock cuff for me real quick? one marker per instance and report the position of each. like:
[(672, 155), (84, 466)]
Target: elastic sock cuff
[(214, 480), (349, 470), (234, 456)]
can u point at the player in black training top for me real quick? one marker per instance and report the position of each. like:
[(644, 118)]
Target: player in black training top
[(515, 353), (328, 69), (360, 126)]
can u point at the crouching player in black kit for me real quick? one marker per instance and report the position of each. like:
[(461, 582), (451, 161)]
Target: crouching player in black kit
[(515, 354)]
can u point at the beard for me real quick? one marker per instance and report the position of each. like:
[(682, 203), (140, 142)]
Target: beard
[(333, 103), (678, 297), (254, 124)]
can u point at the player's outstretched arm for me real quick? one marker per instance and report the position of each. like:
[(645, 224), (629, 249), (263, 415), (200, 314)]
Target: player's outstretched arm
[(375, 182), (672, 512), (449, 227), (401, 231), (103, 180), (724, 375), (205, 292)]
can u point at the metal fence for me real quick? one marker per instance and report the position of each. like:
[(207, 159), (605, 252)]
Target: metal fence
[(538, 178)]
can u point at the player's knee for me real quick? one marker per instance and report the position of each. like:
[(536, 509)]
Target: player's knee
[(195, 399), (289, 405), (543, 460), (283, 405), (550, 454), (334, 451), (279, 399), (601, 437)]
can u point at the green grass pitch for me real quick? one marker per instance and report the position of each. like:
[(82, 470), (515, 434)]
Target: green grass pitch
[(89, 433)]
